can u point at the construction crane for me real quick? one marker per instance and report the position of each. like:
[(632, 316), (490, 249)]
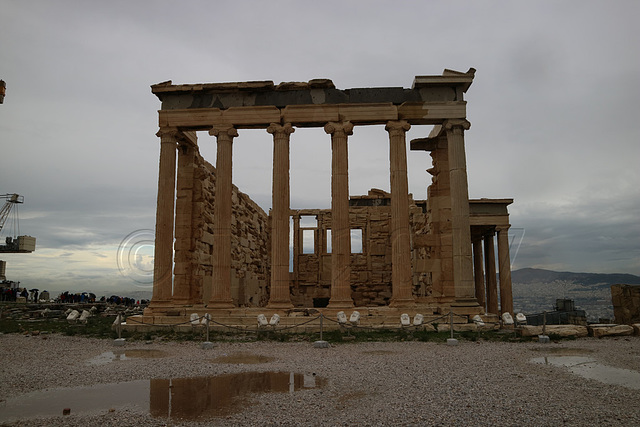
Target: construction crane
[(14, 243)]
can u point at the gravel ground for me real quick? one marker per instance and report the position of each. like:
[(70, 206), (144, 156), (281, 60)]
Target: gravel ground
[(400, 383)]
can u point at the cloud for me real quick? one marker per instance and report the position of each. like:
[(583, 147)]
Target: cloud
[(553, 109)]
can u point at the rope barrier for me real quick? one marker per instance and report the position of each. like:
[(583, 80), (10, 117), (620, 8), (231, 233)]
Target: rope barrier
[(273, 328)]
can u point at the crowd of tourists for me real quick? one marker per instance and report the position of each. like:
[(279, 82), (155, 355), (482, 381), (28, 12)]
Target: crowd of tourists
[(12, 293), (15, 294)]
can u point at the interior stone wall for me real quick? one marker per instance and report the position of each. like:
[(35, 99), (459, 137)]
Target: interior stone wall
[(250, 241), (371, 269)]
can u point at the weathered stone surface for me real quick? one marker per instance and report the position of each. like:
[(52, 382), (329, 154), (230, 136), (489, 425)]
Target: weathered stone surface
[(408, 252), (626, 303), (605, 330), (561, 330), (459, 327)]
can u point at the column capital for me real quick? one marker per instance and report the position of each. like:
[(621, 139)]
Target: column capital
[(393, 126), (169, 132), (339, 127), (222, 131), (457, 124), (275, 128), (500, 228)]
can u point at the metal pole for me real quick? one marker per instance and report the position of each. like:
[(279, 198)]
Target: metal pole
[(321, 316), (206, 319), (544, 323), (451, 322)]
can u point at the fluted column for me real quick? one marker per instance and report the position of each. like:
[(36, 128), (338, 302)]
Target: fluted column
[(504, 263), (163, 251), (183, 266), (221, 290), (460, 228), (401, 279), (340, 230), (478, 272), (490, 269), (279, 296)]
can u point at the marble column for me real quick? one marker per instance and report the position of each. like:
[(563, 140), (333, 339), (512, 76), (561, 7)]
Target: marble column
[(221, 260), (460, 227), (340, 227), (163, 251), (183, 266), (504, 263), (401, 278), (490, 269), (478, 272), (279, 296)]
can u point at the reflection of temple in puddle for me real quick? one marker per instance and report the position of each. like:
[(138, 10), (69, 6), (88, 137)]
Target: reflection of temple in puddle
[(196, 398)]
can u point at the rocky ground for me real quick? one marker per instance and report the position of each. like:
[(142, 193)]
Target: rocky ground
[(390, 383)]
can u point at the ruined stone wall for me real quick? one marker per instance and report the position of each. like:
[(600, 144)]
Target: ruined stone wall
[(370, 270), (250, 241), (626, 303), (439, 226)]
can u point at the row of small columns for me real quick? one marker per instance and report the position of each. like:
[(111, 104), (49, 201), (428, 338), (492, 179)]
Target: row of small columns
[(340, 236), (487, 295)]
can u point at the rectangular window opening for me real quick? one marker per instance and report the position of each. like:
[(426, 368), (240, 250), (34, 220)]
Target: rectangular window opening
[(308, 221), (356, 240), (308, 241)]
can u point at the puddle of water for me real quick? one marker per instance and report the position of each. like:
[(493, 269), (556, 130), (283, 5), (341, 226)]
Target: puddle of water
[(587, 367), (112, 356), (243, 358), (177, 398), (83, 400)]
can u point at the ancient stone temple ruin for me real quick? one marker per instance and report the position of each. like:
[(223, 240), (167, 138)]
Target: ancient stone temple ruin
[(383, 253)]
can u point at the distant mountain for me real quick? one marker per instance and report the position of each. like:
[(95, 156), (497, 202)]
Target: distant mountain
[(537, 275), (536, 290)]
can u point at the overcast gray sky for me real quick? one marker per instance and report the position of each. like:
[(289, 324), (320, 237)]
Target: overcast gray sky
[(554, 109)]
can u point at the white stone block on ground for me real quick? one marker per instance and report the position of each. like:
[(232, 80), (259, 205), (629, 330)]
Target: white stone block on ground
[(342, 318), (405, 320), (355, 318), (418, 319), (194, 319), (262, 320), (275, 319), (507, 319)]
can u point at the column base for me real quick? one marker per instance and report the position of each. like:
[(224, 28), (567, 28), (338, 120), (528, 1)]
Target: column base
[(279, 305), (181, 302), (465, 302), (220, 304), (347, 303), (402, 302), (159, 304)]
